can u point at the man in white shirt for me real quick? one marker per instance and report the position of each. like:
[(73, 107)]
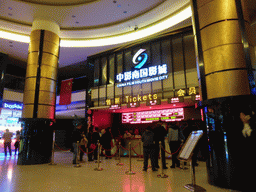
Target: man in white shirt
[(7, 142)]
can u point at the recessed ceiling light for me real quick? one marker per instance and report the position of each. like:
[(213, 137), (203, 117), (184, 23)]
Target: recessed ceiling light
[(77, 22), (125, 11), (119, 5), (9, 8), (73, 16), (11, 45), (114, 1), (10, 14)]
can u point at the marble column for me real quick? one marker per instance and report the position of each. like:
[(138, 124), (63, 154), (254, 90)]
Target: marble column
[(225, 60), (40, 93)]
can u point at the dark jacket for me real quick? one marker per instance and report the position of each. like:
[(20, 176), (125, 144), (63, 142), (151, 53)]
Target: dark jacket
[(76, 135), (106, 140), (95, 137), (160, 133), (148, 139)]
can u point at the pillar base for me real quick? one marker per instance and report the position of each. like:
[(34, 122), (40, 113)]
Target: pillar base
[(231, 157), (36, 141)]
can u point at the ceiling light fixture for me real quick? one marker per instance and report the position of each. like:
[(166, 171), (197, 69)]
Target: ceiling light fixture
[(14, 36), (111, 40)]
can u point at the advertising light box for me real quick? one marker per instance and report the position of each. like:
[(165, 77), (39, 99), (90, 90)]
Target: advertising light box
[(153, 116)]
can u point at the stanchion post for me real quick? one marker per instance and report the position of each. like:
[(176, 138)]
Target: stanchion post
[(53, 144), (119, 155), (98, 155), (77, 149), (162, 175), (99, 149), (130, 170), (140, 159), (193, 186)]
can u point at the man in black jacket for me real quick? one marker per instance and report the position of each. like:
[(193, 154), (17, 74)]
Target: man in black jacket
[(148, 148), (160, 133)]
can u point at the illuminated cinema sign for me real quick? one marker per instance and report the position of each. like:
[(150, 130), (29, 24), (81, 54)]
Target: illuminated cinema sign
[(12, 106), (166, 115), (141, 75)]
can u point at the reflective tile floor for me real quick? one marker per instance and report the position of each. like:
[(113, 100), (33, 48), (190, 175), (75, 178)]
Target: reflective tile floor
[(65, 177)]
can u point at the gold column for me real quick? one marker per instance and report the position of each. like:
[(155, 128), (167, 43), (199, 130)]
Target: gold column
[(41, 76), (222, 47)]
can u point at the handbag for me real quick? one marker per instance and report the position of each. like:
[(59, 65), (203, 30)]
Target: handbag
[(93, 146), (84, 142)]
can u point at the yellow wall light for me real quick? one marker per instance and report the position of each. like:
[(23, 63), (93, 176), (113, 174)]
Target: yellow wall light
[(14, 36)]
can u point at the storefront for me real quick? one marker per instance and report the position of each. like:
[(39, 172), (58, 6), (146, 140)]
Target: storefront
[(140, 84), (9, 118)]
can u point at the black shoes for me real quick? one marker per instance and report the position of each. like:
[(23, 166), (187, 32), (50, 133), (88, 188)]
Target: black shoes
[(144, 169), (154, 169), (165, 167)]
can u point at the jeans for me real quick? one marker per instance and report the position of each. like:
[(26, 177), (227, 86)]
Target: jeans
[(149, 152), (7, 144), (75, 153)]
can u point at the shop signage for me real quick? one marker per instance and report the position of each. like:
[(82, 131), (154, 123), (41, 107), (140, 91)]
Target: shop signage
[(195, 97), (133, 104), (12, 106), (149, 97), (142, 75), (113, 107), (153, 102), (175, 100)]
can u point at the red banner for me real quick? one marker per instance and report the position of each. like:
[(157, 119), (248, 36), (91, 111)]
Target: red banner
[(65, 92)]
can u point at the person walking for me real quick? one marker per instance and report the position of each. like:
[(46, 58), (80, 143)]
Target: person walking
[(7, 142), (148, 149), (175, 138)]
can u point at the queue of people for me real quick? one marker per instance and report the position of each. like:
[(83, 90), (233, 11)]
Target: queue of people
[(83, 142), (150, 138)]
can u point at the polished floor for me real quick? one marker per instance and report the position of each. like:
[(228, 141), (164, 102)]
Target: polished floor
[(64, 177)]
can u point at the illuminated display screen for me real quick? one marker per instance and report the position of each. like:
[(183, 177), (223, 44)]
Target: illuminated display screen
[(152, 116)]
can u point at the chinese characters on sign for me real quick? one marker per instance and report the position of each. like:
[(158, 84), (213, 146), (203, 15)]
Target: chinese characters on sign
[(152, 99), (134, 76)]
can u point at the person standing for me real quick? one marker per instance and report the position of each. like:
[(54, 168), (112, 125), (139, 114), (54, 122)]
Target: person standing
[(160, 133), (7, 142), (95, 139), (175, 138), (148, 149), (90, 148), (17, 142), (76, 139), (83, 146), (106, 142)]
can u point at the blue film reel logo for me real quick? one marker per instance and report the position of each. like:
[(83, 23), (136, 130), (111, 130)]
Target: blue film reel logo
[(140, 58)]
